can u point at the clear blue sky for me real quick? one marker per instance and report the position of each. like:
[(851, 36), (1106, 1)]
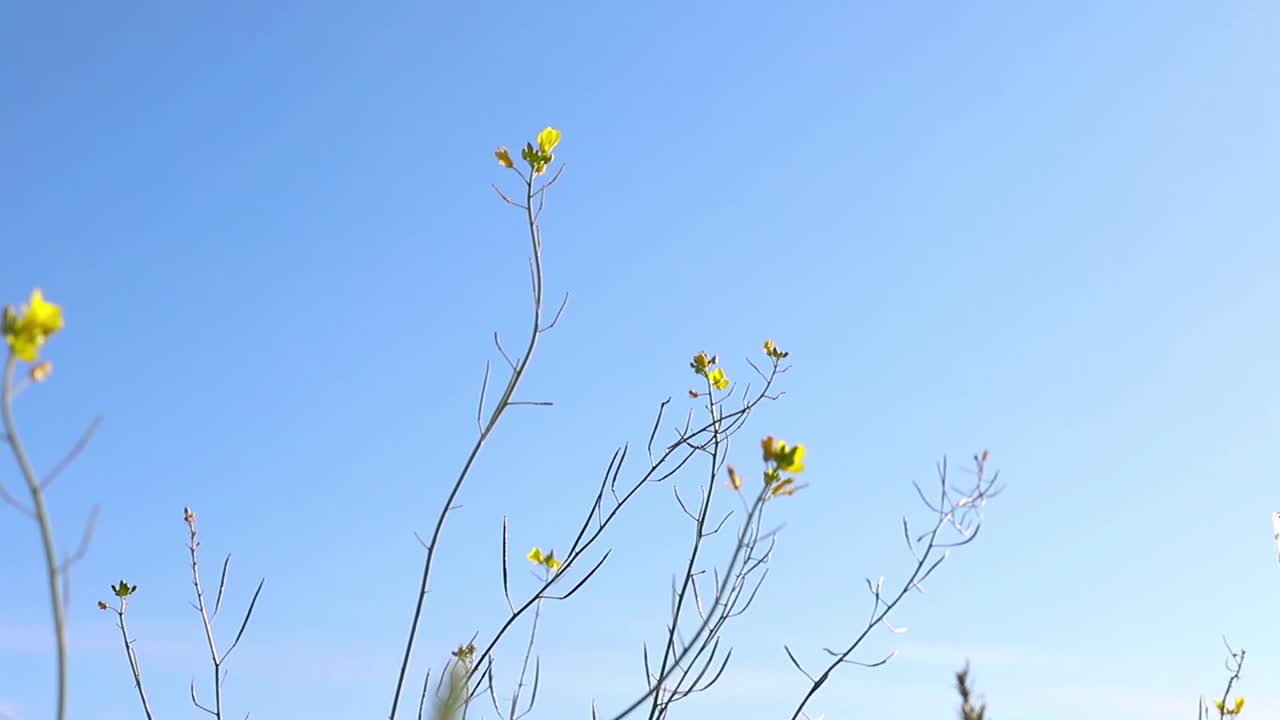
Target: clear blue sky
[(1048, 229)]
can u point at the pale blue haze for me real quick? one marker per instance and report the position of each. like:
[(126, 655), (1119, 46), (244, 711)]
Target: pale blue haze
[(1049, 229)]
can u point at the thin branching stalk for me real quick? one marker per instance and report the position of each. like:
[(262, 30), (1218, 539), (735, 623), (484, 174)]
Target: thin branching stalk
[(133, 657), (41, 514), (504, 401), (1234, 664), (216, 659), (699, 536), (524, 670), (950, 512), (723, 591), (674, 457)]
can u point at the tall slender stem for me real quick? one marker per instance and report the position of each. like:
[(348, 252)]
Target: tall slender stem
[(133, 657), (46, 531), (208, 625), (524, 667), (669, 649), (517, 372)]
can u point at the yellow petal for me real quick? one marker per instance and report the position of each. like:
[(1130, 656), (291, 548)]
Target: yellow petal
[(504, 157), (535, 556), (40, 315), (25, 345), (791, 459), (735, 480), (718, 379), (548, 139)]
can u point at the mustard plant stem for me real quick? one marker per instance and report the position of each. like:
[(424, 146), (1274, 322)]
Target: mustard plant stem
[(503, 403), (46, 531)]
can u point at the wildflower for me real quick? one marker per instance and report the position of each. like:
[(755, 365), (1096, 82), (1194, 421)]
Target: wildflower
[(774, 351), (782, 458), (547, 560), (504, 157), (547, 140), (718, 379), (541, 156), (465, 653), (28, 330), (735, 480), (788, 458), (705, 365), (1230, 711), (124, 589)]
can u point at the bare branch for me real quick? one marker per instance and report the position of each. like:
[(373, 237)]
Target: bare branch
[(73, 453)]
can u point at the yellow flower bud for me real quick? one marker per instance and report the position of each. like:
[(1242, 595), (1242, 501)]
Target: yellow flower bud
[(41, 372)]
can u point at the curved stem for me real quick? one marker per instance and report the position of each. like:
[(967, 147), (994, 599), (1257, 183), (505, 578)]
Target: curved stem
[(46, 531), (504, 402)]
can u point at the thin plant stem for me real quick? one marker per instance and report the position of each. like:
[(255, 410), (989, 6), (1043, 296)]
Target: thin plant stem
[(722, 592), (669, 649), (208, 626), (505, 401), (133, 658), (524, 667), (673, 458), (46, 531)]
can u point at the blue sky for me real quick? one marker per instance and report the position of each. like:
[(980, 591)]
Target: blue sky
[(1047, 229)]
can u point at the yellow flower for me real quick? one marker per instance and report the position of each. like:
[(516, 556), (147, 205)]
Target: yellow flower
[(547, 560), (547, 141), (702, 362), (1238, 706), (504, 157), (27, 331), (465, 653), (790, 459), (735, 480), (718, 379), (774, 351)]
